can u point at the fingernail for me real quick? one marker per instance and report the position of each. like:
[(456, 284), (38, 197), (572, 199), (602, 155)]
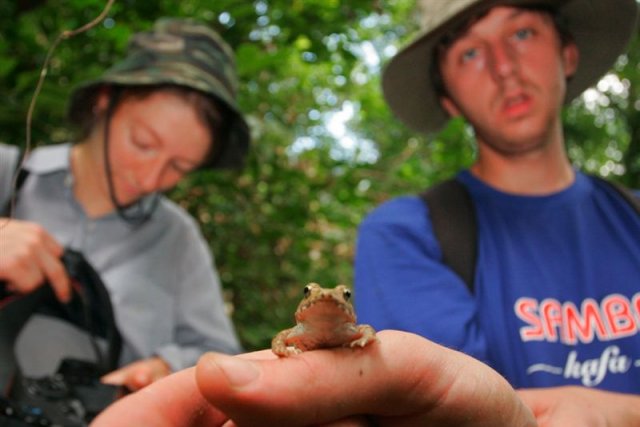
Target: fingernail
[(64, 295), (239, 372), (111, 379)]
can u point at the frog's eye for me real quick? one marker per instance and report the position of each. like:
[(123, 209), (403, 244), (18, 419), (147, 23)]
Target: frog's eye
[(347, 294), (307, 290)]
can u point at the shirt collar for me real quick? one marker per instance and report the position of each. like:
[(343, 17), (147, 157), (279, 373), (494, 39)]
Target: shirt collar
[(50, 158)]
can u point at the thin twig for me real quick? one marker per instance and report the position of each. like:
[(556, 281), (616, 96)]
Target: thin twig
[(66, 34)]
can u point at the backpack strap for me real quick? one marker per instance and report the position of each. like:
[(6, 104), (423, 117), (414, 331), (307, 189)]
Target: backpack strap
[(22, 175), (627, 194), (454, 224), (453, 220)]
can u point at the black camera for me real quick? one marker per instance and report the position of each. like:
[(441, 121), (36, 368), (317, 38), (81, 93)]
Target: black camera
[(73, 395)]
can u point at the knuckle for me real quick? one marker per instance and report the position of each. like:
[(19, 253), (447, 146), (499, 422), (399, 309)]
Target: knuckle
[(39, 233), (27, 284), (18, 261), (58, 274)]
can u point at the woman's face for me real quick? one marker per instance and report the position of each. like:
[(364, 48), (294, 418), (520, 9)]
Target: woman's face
[(153, 142)]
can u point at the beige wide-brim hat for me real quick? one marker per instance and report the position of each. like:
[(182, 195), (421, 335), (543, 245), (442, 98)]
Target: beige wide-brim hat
[(601, 29)]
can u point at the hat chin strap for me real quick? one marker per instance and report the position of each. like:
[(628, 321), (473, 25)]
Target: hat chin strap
[(138, 212)]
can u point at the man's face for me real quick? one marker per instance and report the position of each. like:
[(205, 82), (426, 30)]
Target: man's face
[(507, 75)]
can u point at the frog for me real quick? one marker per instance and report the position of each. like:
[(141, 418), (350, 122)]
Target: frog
[(325, 318)]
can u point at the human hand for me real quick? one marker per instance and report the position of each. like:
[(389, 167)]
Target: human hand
[(138, 374), (402, 380), (31, 257), (581, 406)]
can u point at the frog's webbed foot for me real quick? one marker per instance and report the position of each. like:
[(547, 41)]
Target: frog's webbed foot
[(279, 345), (290, 351), (286, 351), (367, 336)]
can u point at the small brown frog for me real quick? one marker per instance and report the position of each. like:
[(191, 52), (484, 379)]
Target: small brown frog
[(324, 319)]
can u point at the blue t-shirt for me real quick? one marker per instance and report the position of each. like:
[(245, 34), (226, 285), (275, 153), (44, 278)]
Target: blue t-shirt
[(557, 285)]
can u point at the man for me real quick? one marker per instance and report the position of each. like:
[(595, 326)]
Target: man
[(407, 380), (555, 296)]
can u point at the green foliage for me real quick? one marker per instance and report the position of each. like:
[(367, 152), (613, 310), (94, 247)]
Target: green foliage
[(291, 216)]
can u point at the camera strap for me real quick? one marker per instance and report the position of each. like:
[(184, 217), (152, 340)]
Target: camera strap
[(20, 175), (15, 311), (90, 309)]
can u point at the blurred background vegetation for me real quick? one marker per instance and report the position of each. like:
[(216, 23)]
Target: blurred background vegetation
[(326, 149)]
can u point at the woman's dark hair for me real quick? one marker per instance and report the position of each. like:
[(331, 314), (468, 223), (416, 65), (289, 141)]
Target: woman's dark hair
[(215, 115)]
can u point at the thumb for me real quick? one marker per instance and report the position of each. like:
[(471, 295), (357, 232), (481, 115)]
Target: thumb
[(315, 387), (273, 392), (234, 372), (117, 377), (402, 380)]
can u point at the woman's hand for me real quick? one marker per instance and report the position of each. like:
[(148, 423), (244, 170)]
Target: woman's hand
[(31, 257), (138, 374)]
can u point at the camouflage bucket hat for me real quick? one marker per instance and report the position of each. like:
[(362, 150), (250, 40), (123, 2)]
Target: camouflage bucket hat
[(184, 53), (600, 28)]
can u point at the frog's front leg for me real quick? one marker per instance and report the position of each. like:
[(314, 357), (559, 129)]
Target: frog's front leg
[(366, 335), (279, 344)]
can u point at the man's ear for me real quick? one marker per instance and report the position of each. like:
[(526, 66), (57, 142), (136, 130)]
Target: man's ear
[(571, 58), (449, 106)]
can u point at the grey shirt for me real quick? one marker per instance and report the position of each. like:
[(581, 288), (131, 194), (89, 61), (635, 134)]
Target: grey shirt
[(161, 277)]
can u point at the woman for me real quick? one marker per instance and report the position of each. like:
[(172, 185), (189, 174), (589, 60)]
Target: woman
[(167, 109)]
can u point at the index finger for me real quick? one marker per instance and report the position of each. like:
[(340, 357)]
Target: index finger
[(175, 401), (56, 274)]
